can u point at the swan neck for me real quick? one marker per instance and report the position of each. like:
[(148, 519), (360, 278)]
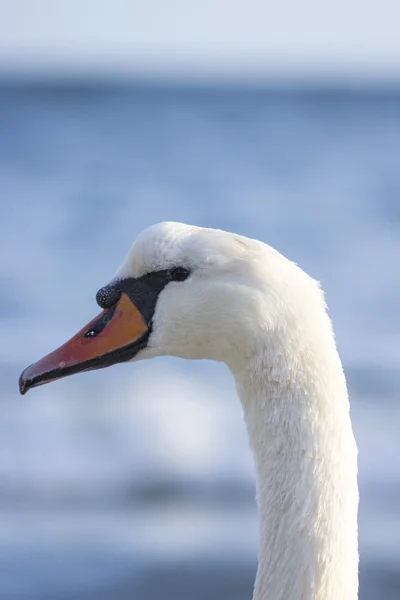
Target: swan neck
[(306, 478)]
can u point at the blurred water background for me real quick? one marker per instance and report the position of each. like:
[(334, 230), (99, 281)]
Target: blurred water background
[(137, 481)]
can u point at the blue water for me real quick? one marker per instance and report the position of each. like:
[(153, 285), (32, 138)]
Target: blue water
[(137, 481)]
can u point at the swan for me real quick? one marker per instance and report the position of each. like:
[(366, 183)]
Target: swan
[(202, 293)]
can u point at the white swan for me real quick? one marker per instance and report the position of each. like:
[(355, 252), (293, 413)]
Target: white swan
[(202, 293)]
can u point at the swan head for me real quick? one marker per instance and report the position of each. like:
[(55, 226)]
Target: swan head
[(183, 291)]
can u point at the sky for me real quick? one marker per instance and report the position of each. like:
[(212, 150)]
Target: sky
[(232, 39)]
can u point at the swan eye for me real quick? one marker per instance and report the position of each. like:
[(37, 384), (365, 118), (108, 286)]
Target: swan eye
[(179, 274)]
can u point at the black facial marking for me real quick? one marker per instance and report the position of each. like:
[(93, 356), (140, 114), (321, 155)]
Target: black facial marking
[(143, 291)]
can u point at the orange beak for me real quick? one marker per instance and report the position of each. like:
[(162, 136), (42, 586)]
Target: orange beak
[(115, 335)]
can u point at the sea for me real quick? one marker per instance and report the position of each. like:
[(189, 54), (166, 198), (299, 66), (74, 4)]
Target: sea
[(136, 482)]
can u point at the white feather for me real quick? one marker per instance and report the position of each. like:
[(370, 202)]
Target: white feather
[(248, 306)]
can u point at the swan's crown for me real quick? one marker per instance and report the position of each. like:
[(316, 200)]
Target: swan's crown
[(170, 244)]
